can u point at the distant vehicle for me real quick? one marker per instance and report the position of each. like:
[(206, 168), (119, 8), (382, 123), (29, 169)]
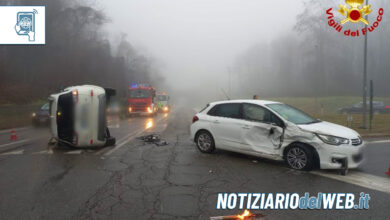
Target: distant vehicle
[(276, 131), (114, 108), (42, 116), (162, 101), (141, 99), (378, 108), (78, 116)]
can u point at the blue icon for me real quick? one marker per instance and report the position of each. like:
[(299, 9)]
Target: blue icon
[(25, 24)]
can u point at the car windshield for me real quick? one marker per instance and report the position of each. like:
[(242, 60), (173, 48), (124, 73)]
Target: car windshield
[(45, 106), (162, 98), (292, 114), (139, 93)]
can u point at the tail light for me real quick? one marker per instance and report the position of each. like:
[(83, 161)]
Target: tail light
[(387, 106), (75, 139), (75, 94), (195, 119)]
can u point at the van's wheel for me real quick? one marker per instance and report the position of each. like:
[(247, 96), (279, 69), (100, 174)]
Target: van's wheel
[(299, 157), (108, 132), (205, 142), (110, 141)]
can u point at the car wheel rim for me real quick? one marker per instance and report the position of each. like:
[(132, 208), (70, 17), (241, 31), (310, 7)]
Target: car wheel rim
[(204, 142), (297, 158)]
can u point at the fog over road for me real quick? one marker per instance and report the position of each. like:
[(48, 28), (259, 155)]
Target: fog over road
[(135, 180)]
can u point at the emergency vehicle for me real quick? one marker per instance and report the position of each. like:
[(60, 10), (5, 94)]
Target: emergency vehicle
[(141, 100), (162, 101)]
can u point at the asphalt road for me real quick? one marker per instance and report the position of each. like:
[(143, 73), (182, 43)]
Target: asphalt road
[(136, 180)]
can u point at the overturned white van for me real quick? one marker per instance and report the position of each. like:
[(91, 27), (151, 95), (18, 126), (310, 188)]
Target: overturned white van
[(78, 116)]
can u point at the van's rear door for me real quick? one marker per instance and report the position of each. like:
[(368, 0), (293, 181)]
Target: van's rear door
[(65, 117)]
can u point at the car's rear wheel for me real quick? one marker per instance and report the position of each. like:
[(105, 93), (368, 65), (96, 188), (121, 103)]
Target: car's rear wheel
[(205, 142), (299, 157)]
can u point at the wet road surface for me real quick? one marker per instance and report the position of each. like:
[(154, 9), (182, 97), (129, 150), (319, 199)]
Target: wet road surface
[(136, 180)]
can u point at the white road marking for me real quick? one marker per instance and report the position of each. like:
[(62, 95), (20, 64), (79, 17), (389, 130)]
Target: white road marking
[(378, 142), (15, 142), (50, 151), (18, 152), (17, 129), (130, 137), (360, 179), (74, 152)]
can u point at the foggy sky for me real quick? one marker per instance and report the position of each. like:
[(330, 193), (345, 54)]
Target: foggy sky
[(197, 41)]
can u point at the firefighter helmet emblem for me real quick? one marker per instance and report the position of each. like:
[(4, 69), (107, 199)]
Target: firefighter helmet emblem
[(355, 13)]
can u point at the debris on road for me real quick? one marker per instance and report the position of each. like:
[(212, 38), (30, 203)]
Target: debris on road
[(255, 161), (154, 139)]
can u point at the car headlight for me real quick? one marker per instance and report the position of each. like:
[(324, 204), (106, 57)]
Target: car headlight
[(332, 140)]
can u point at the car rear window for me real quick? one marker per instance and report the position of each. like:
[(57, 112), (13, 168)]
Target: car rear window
[(231, 110)]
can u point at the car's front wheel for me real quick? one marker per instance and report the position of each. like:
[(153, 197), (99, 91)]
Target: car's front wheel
[(299, 157), (205, 142)]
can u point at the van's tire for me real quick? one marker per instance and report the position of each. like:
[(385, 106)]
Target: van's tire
[(110, 141), (205, 142), (299, 157), (108, 133)]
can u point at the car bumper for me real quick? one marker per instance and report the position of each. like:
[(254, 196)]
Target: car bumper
[(140, 113), (332, 157)]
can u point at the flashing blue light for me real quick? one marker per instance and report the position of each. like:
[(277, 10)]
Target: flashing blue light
[(134, 85)]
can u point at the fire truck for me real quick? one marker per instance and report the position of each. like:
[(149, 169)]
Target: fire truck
[(141, 100)]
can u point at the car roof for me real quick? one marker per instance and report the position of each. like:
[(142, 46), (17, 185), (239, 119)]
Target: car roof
[(252, 101)]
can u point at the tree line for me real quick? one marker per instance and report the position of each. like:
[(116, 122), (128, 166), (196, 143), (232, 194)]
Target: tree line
[(76, 52), (312, 59)]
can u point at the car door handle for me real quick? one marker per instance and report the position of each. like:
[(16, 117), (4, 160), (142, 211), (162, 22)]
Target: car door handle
[(216, 122)]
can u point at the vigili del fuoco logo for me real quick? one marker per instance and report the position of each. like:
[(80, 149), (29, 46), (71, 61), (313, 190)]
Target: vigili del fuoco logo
[(354, 12)]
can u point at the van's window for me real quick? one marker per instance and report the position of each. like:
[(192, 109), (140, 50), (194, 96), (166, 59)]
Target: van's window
[(65, 117), (162, 98), (256, 113), (140, 93), (45, 106), (292, 114), (226, 110)]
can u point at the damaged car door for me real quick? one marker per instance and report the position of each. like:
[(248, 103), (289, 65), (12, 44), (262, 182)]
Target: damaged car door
[(263, 130), (226, 125)]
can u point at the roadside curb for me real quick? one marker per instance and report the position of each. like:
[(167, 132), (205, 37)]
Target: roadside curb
[(368, 136), (16, 129)]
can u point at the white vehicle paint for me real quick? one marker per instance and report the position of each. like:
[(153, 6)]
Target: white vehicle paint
[(267, 129), (78, 116)]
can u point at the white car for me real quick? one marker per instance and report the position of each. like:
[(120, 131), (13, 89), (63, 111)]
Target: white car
[(78, 116), (276, 131)]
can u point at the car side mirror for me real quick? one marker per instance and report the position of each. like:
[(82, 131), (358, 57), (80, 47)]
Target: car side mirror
[(276, 125)]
